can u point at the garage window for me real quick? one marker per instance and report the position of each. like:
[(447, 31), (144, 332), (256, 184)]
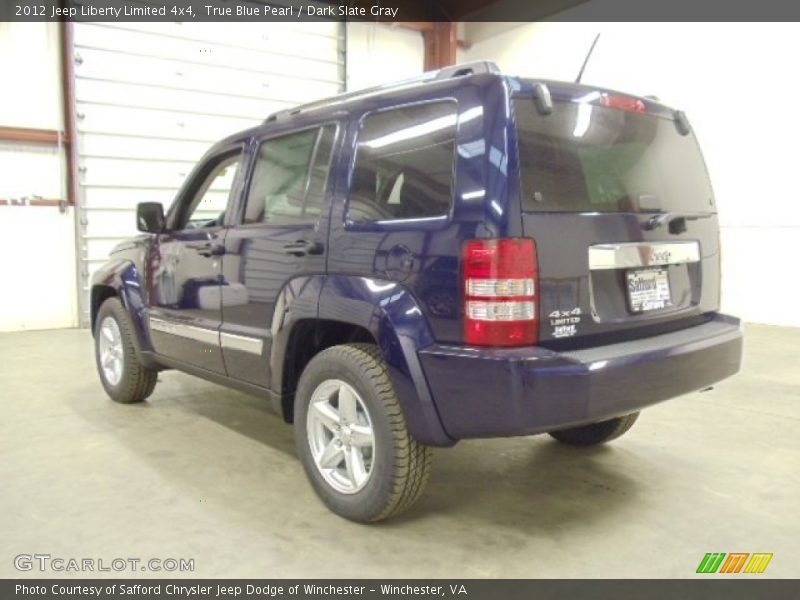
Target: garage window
[(404, 164)]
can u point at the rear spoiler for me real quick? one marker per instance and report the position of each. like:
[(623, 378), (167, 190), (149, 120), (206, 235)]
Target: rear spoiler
[(543, 101)]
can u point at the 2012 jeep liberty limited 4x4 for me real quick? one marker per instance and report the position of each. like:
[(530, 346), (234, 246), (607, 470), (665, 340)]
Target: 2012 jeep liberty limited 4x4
[(462, 255)]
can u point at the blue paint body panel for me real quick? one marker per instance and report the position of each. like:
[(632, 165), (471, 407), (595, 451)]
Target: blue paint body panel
[(391, 313), (504, 392), (123, 276)]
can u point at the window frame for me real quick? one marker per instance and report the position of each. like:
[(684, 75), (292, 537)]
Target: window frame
[(255, 145), (407, 222), (195, 181)]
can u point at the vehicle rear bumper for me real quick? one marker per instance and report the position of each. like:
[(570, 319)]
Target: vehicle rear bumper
[(492, 392)]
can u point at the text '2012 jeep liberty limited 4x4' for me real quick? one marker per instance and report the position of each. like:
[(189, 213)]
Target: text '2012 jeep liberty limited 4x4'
[(463, 255)]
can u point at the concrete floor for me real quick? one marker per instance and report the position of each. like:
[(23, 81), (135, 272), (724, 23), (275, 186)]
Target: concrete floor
[(206, 473)]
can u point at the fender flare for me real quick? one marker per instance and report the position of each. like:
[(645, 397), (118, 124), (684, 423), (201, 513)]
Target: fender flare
[(391, 314), (122, 276)]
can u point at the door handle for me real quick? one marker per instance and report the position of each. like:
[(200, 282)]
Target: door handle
[(303, 248), (208, 249)]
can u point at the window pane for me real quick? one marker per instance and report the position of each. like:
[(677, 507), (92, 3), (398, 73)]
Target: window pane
[(404, 164), (283, 186), (586, 158), (210, 201), (318, 181)]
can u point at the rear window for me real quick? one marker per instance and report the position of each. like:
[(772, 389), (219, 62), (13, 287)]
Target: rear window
[(404, 164), (588, 158)]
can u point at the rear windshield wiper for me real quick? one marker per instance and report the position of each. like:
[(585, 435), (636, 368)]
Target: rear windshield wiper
[(676, 221)]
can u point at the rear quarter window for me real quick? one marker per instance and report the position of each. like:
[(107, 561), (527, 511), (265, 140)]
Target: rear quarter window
[(404, 164)]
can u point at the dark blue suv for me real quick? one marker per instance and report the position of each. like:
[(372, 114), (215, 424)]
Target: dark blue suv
[(462, 255)]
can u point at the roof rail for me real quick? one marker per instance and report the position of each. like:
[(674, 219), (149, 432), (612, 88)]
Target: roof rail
[(463, 70), (473, 68)]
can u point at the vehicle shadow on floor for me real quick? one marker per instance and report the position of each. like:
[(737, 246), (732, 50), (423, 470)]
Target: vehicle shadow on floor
[(533, 480), (243, 414), (535, 471), (533, 484)]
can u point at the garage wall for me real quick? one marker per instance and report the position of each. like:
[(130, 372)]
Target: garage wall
[(735, 82), (38, 244), (379, 54), (152, 97)]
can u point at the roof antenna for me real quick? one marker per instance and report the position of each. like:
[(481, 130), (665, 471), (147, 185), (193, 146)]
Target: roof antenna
[(586, 60)]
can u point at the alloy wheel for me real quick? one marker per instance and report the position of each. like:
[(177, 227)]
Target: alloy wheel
[(111, 350), (341, 436)]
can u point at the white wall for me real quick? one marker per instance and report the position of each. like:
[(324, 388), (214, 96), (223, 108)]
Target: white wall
[(29, 70), (379, 54), (38, 244), (737, 84)]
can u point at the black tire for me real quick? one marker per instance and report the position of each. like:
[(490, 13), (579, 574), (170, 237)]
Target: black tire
[(136, 381), (400, 465), (596, 433)]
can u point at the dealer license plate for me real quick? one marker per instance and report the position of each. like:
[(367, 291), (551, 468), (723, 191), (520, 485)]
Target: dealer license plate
[(648, 289)]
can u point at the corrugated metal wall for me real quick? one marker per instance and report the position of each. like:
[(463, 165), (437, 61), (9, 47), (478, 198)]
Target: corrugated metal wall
[(151, 98)]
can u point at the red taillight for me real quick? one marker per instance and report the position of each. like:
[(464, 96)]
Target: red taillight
[(499, 278), (623, 103)]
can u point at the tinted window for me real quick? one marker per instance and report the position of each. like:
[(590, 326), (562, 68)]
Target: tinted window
[(318, 177), (290, 177), (588, 158), (404, 164), (210, 199)]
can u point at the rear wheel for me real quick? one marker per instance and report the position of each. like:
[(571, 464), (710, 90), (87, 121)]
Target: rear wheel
[(352, 437), (124, 378), (596, 433)]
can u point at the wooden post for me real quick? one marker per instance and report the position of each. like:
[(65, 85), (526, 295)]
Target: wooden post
[(441, 43)]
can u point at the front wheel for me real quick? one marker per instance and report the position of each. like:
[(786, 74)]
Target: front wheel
[(352, 437), (596, 433), (124, 378)]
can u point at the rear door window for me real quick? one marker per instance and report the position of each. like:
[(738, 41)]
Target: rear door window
[(590, 158), (404, 164), (290, 177)]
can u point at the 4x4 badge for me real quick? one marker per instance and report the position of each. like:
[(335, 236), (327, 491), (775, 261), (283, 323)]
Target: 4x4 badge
[(565, 322)]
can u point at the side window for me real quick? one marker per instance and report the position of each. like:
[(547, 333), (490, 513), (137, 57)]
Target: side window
[(290, 177), (404, 164), (318, 177), (207, 205)]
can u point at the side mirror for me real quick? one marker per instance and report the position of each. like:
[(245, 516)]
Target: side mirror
[(150, 217)]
